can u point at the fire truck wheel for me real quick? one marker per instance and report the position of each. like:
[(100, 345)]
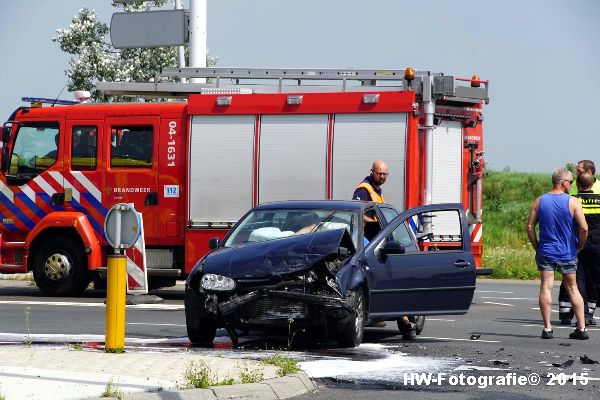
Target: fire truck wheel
[(60, 267), (350, 329), (201, 326)]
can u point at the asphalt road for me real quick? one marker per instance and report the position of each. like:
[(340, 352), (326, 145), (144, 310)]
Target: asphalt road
[(502, 362)]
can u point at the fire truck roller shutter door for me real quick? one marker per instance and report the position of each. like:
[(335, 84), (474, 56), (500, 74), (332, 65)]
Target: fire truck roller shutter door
[(293, 154), (221, 157), (358, 139), (447, 173)]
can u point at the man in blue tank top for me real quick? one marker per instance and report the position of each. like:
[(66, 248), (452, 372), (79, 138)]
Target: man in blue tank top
[(563, 232)]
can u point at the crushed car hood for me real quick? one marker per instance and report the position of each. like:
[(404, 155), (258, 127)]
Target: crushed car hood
[(277, 257)]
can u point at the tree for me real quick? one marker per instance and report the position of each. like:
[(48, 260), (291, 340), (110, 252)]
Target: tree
[(94, 59)]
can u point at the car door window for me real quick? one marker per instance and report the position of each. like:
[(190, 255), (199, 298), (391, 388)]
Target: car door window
[(403, 235), (388, 213), (372, 226), (439, 230)]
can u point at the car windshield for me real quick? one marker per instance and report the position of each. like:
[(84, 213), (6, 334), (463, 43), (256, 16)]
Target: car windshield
[(263, 225)]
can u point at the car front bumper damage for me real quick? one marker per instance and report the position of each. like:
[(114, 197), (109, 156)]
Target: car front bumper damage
[(332, 305)]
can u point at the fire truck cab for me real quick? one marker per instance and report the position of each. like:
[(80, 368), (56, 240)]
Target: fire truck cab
[(193, 166)]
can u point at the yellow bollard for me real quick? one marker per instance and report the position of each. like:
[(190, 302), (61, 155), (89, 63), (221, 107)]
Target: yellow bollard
[(115, 303)]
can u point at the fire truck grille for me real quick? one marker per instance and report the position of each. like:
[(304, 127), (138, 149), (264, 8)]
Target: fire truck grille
[(271, 309)]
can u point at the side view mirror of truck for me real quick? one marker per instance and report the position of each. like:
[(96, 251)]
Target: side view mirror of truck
[(6, 133), (4, 165), (6, 130)]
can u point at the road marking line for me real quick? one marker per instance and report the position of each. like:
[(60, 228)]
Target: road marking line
[(493, 291), (158, 306), (499, 304), (151, 324), (50, 303), (508, 298), (86, 338), (440, 319), (75, 304), (459, 340), (537, 308)]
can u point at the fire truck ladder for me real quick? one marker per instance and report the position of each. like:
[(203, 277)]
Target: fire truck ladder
[(293, 80)]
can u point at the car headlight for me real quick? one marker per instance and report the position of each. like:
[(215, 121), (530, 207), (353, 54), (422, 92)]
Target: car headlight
[(217, 282)]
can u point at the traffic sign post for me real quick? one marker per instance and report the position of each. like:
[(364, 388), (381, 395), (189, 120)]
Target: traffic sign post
[(122, 226)]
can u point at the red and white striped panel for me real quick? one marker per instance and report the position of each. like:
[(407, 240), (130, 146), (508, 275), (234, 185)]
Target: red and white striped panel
[(476, 230), (137, 274)]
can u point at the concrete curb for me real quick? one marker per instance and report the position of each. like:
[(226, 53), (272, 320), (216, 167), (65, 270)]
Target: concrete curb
[(271, 389)]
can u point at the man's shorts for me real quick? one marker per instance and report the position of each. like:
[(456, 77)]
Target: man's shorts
[(569, 267)]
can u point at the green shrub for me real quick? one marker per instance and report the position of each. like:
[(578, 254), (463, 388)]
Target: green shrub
[(248, 375), (111, 390), (198, 376), (287, 365)]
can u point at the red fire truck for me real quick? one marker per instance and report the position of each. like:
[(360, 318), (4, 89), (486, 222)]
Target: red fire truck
[(193, 164)]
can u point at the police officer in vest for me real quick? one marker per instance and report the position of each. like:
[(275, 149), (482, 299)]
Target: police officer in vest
[(588, 270), (370, 190), (586, 166), (565, 313)]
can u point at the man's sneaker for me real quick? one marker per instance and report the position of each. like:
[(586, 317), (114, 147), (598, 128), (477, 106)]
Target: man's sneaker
[(579, 334), (590, 321), (547, 334), (565, 322), (409, 332)]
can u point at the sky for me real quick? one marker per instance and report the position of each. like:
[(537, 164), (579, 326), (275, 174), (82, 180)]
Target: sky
[(542, 57)]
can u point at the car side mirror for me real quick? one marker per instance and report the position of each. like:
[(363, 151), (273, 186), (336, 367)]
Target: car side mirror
[(213, 243), (391, 248)]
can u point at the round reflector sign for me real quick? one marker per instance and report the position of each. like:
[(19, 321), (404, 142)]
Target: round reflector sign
[(122, 226)]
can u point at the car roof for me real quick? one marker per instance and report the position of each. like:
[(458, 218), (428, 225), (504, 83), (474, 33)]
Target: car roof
[(346, 205)]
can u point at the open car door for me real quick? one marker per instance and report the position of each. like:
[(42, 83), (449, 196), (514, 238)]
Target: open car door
[(421, 264)]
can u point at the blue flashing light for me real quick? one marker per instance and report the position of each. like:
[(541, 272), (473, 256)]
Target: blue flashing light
[(45, 100)]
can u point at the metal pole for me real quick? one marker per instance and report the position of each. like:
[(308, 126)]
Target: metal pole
[(198, 36), (180, 49), (429, 110)]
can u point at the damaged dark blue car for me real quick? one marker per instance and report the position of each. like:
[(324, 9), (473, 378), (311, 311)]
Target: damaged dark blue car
[(331, 268)]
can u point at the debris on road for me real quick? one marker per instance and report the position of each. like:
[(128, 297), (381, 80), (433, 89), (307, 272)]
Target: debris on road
[(566, 364), (586, 360)]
